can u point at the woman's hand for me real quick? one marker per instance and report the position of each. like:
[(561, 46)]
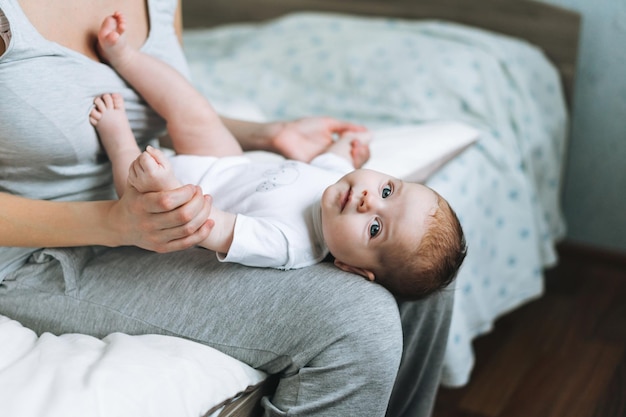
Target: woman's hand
[(304, 139), (164, 221)]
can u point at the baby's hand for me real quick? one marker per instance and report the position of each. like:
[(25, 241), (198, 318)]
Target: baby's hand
[(364, 137), (360, 152), (354, 146)]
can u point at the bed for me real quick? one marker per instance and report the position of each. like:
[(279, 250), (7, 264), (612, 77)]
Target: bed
[(496, 75)]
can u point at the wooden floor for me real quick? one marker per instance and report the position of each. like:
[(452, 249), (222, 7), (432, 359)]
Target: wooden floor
[(563, 355)]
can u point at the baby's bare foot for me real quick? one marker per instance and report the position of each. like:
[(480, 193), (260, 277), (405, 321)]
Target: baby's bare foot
[(112, 44), (109, 118), (152, 171)]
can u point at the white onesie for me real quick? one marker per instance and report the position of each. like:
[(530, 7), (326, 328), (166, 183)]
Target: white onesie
[(278, 221)]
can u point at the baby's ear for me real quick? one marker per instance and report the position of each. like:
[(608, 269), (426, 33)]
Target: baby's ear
[(355, 270)]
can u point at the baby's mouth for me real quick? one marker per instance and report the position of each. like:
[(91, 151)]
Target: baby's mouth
[(346, 199)]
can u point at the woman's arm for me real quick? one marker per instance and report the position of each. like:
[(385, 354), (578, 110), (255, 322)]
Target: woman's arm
[(161, 222), (300, 139)]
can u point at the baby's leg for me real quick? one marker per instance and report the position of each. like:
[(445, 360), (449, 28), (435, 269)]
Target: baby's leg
[(109, 118), (152, 171), (192, 123)]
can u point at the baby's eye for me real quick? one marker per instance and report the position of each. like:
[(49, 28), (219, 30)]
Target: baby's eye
[(386, 191), (374, 228)]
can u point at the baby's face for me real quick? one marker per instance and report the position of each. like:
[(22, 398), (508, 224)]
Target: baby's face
[(367, 212)]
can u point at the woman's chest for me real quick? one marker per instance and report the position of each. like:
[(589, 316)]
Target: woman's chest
[(44, 113), (75, 25)]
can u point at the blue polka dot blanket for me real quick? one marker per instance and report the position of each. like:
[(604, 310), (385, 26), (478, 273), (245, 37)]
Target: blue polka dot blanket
[(386, 73)]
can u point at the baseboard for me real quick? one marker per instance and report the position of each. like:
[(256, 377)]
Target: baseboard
[(569, 248)]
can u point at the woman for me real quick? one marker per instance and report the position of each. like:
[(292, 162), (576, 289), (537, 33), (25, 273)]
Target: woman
[(75, 259)]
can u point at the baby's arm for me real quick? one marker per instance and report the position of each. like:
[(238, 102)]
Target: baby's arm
[(221, 236), (353, 146)]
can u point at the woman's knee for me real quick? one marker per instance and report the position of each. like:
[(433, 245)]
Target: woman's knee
[(366, 329), (350, 358), (377, 330)]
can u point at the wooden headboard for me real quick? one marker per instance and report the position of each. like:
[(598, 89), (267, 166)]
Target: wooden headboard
[(553, 29)]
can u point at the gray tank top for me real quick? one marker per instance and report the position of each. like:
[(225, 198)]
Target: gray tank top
[(48, 148)]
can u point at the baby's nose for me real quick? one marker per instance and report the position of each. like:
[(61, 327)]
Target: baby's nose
[(366, 202)]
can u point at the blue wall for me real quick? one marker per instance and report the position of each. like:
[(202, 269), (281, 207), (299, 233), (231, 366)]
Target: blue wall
[(595, 182)]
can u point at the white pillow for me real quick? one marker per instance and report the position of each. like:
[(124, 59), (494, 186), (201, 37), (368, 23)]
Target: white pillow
[(120, 375)]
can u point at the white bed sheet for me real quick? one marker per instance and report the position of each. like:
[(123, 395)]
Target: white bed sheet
[(389, 72)]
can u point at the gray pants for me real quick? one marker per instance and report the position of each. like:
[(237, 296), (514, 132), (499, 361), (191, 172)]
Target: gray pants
[(334, 338)]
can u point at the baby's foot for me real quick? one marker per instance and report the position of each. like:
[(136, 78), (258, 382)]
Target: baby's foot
[(112, 44), (109, 118), (152, 171)]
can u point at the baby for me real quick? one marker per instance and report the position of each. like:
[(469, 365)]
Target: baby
[(287, 214)]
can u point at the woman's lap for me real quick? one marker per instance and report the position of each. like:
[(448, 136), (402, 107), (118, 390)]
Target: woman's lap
[(305, 324)]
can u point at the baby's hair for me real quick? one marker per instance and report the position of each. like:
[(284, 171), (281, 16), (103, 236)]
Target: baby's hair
[(414, 273)]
